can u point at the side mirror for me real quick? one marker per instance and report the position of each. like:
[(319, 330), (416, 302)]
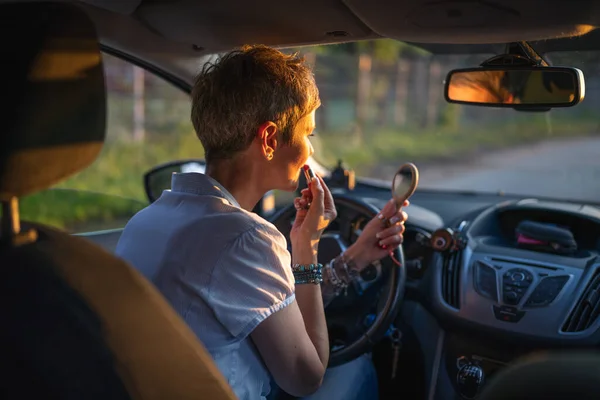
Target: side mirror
[(158, 179), (520, 87)]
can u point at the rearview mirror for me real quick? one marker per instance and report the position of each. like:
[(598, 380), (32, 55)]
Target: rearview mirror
[(516, 87)]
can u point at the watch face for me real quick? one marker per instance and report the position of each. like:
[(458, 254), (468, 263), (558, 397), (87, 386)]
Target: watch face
[(369, 273)]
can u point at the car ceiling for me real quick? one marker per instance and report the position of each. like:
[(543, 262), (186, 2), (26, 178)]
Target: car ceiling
[(177, 35)]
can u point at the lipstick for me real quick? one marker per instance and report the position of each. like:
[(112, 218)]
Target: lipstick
[(308, 173)]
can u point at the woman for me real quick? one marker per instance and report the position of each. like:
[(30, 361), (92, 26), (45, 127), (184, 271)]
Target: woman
[(257, 308)]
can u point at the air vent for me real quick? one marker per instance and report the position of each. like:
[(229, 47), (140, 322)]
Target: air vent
[(587, 309), (451, 278)]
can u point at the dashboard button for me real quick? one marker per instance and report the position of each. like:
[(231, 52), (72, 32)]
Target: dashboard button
[(519, 290), (511, 298), (508, 314), (518, 276), (546, 291), (519, 284), (485, 281), (515, 283)]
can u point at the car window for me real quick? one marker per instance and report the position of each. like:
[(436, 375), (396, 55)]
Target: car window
[(382, 104), (148, 123)]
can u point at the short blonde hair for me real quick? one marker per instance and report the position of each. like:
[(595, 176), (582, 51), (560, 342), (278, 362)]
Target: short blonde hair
[(245, 88)]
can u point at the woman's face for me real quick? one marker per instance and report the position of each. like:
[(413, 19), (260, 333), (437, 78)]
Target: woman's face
[(288, 159), (476, 94)]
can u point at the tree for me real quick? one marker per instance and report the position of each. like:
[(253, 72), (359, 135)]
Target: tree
[(139, 105), (382, 70)]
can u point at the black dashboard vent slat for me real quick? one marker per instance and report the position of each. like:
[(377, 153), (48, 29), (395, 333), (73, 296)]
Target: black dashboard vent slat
[(451, 278), (587, 310)]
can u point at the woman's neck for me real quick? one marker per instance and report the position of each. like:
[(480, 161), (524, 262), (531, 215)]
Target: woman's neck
[(241, 178)]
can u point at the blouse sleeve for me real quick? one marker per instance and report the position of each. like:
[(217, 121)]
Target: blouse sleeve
[(252, 280)]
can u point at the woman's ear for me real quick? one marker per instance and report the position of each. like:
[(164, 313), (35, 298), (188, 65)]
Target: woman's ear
[(267, 136)]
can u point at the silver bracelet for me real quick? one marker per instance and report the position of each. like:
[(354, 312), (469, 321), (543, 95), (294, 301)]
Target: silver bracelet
[(337, 283), (350, 267), (345, 269)]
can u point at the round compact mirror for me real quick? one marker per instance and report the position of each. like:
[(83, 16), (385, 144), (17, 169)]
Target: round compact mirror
[(405, 182)]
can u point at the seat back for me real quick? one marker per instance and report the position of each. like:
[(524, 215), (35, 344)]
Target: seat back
[(77, 322), (557, 375)]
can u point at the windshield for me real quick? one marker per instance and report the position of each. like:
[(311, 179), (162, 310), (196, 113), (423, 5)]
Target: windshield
[(383, 105)]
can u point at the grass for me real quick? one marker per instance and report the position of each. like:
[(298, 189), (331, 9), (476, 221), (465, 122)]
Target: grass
[(111, 190), (78, 211), (389, 146)]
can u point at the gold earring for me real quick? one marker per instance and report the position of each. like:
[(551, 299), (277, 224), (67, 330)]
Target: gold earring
[(269, 156)]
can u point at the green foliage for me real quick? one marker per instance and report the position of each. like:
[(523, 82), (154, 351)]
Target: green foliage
[(73, 210), (111, 190), (382, 50), (388, 51), (121, 165), (449, 116)]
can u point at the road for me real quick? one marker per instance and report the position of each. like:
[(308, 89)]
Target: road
[(567, 169)]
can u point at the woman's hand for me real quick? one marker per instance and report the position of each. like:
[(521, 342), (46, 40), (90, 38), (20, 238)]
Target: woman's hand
[(315, 210), (377, 239)]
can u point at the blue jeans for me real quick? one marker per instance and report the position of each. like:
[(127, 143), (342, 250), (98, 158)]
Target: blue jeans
[(356, 380)]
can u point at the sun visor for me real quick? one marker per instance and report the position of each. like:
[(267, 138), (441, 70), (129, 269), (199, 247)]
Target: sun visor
[(474, 22)]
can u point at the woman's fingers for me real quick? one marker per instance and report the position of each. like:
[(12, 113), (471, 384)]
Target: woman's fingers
[(400, 216), (394, 230), (388, 210), (301, 203), (328, 197), (391, 241)]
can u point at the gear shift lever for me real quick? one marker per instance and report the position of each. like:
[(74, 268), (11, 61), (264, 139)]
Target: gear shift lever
[(470, 380)]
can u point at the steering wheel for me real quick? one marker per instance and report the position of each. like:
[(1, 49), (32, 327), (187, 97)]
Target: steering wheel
[(359, 318)]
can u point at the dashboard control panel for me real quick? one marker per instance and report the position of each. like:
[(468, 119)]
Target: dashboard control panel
[(484, 277), (515, 283), (515, 294)]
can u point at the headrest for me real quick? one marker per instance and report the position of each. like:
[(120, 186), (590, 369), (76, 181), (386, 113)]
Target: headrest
[(54, 112), (556, 375)]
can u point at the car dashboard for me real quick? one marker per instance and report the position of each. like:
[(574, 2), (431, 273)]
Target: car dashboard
[(484, 301)]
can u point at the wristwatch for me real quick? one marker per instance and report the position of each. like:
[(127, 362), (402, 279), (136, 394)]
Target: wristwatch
[(369, 273)]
